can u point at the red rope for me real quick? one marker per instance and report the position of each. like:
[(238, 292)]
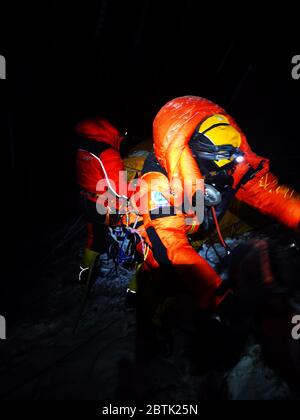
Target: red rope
[(223, 243)]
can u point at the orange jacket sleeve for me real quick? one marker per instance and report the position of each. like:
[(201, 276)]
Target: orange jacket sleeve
[(195, 272), (265, 193)]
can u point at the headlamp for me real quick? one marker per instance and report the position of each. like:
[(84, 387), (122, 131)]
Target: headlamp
[(239, 159)]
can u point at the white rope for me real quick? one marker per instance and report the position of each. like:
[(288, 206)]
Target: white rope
[(106, 176), (83, 270), (131, 291)]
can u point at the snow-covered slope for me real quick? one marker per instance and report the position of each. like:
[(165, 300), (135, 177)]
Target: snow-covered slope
[(44, 359)]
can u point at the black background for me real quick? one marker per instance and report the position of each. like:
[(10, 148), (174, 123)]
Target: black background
[(125, 60)]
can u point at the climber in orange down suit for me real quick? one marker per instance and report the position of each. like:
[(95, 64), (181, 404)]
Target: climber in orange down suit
[(196, 139), (98, 159)]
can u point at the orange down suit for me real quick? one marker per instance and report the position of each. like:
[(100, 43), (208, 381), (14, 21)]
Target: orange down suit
[(98, 158), (173, 128), (102, 133)]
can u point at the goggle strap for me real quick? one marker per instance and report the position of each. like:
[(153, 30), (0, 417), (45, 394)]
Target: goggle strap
[(214, 156), (215, 126)]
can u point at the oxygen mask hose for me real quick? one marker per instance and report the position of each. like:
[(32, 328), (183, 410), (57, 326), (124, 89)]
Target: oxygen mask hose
[(222, 241)]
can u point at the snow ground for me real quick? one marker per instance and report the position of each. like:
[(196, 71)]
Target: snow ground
[(44, 360)]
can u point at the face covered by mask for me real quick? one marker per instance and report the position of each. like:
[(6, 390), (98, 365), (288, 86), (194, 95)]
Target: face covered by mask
[(215, 146)]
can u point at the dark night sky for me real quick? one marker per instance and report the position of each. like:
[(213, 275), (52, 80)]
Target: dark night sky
[(125, 60)]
